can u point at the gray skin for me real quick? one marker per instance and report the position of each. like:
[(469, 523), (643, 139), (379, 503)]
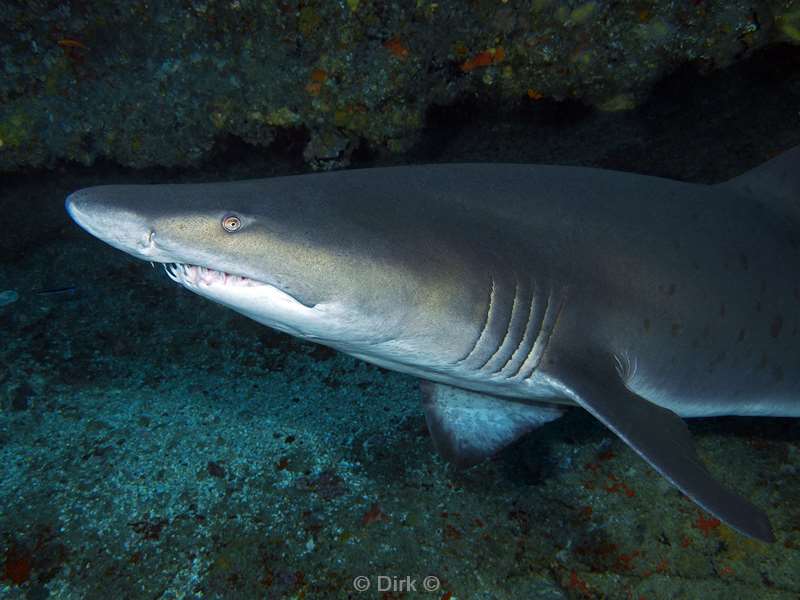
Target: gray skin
[(513, 290)]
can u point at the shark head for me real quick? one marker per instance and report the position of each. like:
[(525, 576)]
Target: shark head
[(282, 251)]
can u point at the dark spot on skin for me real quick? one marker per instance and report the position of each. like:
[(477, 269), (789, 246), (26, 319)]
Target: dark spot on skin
[(763, 286), (695, 265), (775, 327), (741, 335), (647, 325), (722, 310), (763, 363), (716, 360), (758, 306), (671, 289), (706, 331), (743, 261), (676, 329), (777, 373)]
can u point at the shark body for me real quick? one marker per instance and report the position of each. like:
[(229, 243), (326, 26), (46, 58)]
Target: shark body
[(513, 291)]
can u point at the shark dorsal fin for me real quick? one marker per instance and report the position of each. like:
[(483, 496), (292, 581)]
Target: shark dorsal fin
[(469, 427)]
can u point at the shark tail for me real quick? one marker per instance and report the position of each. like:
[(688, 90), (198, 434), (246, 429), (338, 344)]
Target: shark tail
[(776, 182)]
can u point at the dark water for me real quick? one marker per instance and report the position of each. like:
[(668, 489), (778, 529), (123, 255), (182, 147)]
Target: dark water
[(156, 445)]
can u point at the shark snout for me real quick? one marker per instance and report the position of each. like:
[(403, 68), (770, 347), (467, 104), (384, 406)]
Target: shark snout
[(95, 210), (75, 204)]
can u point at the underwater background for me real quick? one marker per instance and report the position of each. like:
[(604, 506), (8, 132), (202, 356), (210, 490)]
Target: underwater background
[(157, 445)]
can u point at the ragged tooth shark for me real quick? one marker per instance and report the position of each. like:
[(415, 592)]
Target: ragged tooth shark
[(513, 291)]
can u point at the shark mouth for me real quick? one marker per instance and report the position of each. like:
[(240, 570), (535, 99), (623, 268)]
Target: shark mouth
[(205, 281), (196, 276)]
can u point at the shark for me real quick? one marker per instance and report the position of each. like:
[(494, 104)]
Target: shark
[(512, 291)]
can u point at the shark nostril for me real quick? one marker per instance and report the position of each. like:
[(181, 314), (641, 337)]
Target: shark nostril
[(147, 242)]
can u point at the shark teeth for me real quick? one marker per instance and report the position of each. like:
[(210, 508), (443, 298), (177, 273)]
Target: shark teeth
[(194, 276)]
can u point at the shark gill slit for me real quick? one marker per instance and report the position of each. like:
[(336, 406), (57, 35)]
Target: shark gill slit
[(533, 319), (515, 329), (485, 326), (550, 317), (536, 323), (497, 326), (489, 358)]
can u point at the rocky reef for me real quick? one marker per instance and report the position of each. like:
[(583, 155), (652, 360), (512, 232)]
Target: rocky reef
[(162, 83)]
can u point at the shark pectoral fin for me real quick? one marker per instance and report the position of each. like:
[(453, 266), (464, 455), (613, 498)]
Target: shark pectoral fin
[(662, 438), (469, 427)]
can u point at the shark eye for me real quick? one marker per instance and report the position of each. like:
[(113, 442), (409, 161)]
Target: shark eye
[(231, 223)]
